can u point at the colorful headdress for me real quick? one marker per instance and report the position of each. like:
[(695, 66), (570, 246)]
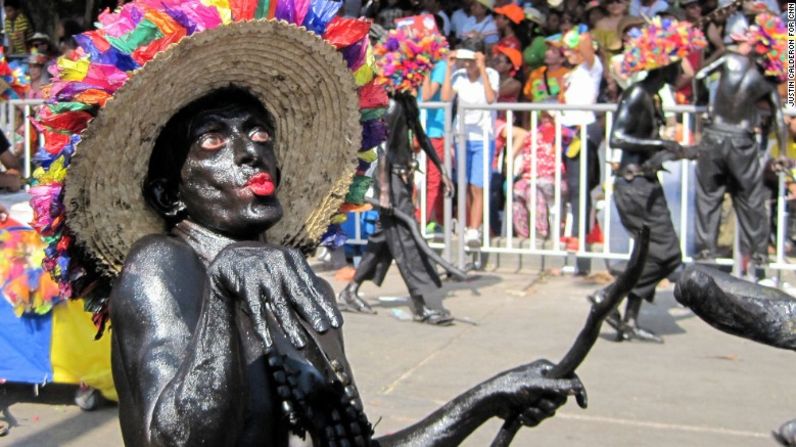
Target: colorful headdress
[(14, 82), (768, 38), (312, 70), (660, 43), (571, 39), (405, 56)]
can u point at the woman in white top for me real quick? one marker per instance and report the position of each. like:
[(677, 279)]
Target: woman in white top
[(472, 83)]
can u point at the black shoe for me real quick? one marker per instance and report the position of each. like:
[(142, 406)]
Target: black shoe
[(786, 435), (629, 332), (348, 301), (434, 317)]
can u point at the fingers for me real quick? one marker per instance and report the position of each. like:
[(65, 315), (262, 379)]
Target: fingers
[(279, 306), (253, 294), (582, 398), (329, 314), (299, 287)]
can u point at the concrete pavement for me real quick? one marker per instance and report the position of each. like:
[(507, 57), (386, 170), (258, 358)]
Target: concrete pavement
[(700, 388)]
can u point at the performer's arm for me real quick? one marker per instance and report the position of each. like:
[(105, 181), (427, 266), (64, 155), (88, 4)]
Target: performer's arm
[(634, 112), (384, 178), (175, 353), (764, 314), (523, 390), (710, 68)]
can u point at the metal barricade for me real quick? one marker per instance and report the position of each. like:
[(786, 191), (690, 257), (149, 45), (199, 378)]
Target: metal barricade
[(453, 246), (16, 114)]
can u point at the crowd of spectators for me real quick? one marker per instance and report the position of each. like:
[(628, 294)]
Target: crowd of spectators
[(514, 52), (504, 52)]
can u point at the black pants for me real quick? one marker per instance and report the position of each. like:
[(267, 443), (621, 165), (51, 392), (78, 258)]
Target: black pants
[(393, 240), (641, 202), (730, 161)]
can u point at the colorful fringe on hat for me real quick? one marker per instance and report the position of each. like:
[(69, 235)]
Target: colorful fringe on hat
[(14, 79), (129, 38), (659, 43), (25, 285), (768, 38), (406, 56)]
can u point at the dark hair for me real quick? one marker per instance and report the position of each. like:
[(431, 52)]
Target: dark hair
[(162, 181), (12, 4), (475, 44)]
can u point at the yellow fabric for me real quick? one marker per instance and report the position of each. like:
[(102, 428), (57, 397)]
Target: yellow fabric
[(222, 6), (574, 148), (75, 356), (73, 70)]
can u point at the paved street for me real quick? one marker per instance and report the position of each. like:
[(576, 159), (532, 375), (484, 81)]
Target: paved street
[(701, 388)]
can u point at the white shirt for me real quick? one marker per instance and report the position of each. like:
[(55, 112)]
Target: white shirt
[(485, 28), (636, 9), (477, 123), (582, 88)]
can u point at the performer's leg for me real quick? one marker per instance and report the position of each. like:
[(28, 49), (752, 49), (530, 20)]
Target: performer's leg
[(373, 266), (424, 314), (710, 187), (750, 199), (631, 330)]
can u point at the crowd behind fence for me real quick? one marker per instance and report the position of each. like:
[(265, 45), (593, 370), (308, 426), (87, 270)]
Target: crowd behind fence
[(677, 181)]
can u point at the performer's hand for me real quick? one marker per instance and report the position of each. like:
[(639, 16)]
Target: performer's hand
[(447, 186), (673, 147), (689, 152), (276, 280), (3, 213), (525, 391)]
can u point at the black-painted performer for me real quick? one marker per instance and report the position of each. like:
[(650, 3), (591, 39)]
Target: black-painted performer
[(221, 333), (729, 158), (639, 198), (394, 183), (763, 314)]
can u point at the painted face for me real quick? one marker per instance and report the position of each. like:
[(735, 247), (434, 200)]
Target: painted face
[(229, 178)]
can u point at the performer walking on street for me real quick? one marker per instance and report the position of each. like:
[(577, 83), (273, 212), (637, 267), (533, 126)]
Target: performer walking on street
[(394, 239), (729, 157), (657, 48)]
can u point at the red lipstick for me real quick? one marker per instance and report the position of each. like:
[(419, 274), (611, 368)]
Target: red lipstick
[(261, 184)]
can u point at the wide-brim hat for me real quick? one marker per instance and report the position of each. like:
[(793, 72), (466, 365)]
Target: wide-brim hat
[(39, 36), (316, 94), (488, 4)]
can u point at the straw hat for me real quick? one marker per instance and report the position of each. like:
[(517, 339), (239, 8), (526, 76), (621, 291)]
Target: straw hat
[(301, 79), (488, 4)]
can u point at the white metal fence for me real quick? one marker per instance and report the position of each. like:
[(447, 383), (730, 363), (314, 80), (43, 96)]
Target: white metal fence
[(678, 183), (15, 121)]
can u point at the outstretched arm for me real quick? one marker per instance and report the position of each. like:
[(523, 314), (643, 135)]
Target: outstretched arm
[(523, 390), (738, 307)]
